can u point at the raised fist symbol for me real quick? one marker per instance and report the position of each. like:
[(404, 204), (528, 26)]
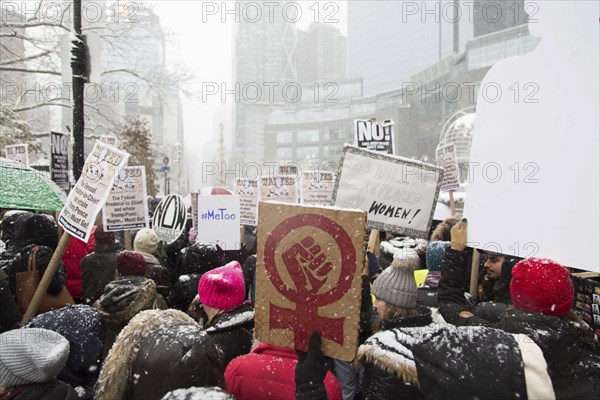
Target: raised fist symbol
[(307, 265)]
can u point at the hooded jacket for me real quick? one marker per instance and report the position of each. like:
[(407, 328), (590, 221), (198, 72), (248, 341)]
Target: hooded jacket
[(232, 332)]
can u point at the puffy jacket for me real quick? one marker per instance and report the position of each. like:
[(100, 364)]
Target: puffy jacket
[(158, 273), (97, 270), (75, 252), (52, 390), (232, 332)]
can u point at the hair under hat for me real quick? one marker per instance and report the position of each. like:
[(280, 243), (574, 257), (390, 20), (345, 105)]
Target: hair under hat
[(541, 284), (223, 288), (146, 240), (31, 355), (396, 284)]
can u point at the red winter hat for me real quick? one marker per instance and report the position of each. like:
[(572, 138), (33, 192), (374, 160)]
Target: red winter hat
[(102, 236), (223, 287), (131, 263), (541, 284)]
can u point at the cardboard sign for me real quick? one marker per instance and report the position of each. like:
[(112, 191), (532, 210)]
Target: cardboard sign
[(18, 153), (308, 276), (247, 190), (534, 164), (85, 201), (279, 188), (373, 135), (59, 160), (126, 207), (110, 140), (169, 218), (447, 159), (317, 188), (398, 194), (219, 221)]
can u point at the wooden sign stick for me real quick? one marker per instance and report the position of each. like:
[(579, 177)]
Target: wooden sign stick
[(373, 239), (127, 239), (452, 206)]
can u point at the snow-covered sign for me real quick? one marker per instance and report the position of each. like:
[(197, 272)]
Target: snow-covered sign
[(398, 194), (18, 153), (110, 140), (279, 188), (534, 180), (308, 276), (317, 188), (126, 207), (448, 160), (219, 221), (373, 135), (169, 218), (85, 201), (247, 190), (59, 160)]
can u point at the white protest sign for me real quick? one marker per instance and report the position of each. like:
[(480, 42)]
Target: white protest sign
[(126, 207), (219, 221), (247, 190), (289, 169), (534, 185), (110, 140), (18, 153), (398, 194), (373, 135), (279, 188), (169, 218), (317, 187), (448, 160), (85, 201)]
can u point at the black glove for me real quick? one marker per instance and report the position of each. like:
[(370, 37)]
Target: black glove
[(374, 268), (310, 371)]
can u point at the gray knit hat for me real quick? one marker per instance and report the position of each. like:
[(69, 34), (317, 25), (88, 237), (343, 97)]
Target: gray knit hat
[(396, 284), (31, 355)]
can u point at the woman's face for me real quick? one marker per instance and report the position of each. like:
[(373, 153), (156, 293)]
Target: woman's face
[(379, 305)]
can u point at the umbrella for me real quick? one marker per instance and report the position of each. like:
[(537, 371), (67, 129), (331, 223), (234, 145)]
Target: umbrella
[(212, 190), (25, 188)]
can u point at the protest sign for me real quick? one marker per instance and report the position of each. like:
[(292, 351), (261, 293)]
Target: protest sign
[(18, 153), (447, 159), (398, 194), (110, 140), (85, 201), (169, 218), (126, 207), (279, 188), (219, 221), (289, 169), (247, 190), (194, 201), (59, 160), (308, 276), (317, 187), (373, 135)]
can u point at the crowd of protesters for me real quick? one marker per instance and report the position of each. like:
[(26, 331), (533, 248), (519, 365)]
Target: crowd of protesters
[(176, 321)]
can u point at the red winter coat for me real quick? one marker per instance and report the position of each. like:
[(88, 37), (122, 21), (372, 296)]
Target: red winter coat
[(268, 373), (74, 253)]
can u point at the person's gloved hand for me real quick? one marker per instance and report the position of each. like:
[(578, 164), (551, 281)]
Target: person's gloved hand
[(458, 236), (310, 371), (374, 268)]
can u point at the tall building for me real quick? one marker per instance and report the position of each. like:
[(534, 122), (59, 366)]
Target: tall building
[(321, 54), (491, 16)]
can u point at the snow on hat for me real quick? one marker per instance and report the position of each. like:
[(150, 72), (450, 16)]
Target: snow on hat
[(223, 287), (100, 235), (193, 393), (146, 240), (31, 355), (434, 255), (396, 284), (541, 284), (131, 263)]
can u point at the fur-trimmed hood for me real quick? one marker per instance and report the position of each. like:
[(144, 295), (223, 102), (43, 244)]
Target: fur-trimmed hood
[(115, 374), (124, 298)]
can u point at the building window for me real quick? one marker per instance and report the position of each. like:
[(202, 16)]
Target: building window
[(284, 153), (284, 137), (311, 135)]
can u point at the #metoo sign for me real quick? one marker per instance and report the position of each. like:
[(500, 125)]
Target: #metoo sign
[(219, 221)]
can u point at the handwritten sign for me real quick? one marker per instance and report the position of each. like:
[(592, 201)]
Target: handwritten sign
[(59, 160), (398, 194), (279, 188), (247, 190), (373, 135), (169, 218), (91, 190), (308, 276), (219, 221), (317, 187), (18, 153), (126, 207), (447, 159)]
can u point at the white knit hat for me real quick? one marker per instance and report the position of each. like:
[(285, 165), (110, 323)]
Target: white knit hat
[(396, 284), (146, 241), (31, 355)]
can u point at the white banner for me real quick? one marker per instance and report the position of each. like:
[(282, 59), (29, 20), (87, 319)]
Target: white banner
[(18, 153), (126, 207), (219, 221), (91, 190), (448, 160), (317, 188), (247, 190), (398, 194)]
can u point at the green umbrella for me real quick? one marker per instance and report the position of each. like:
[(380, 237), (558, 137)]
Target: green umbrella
[(26, 188)]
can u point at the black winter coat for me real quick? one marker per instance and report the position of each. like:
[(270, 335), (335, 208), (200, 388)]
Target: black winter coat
[(183, 291), (232, 332), (9, 312), (53, 390), (97, 270)]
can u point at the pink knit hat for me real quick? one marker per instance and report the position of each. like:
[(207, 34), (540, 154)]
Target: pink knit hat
[(223, 287)]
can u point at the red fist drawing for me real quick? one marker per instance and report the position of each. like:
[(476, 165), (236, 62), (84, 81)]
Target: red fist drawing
[(307, 265)]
